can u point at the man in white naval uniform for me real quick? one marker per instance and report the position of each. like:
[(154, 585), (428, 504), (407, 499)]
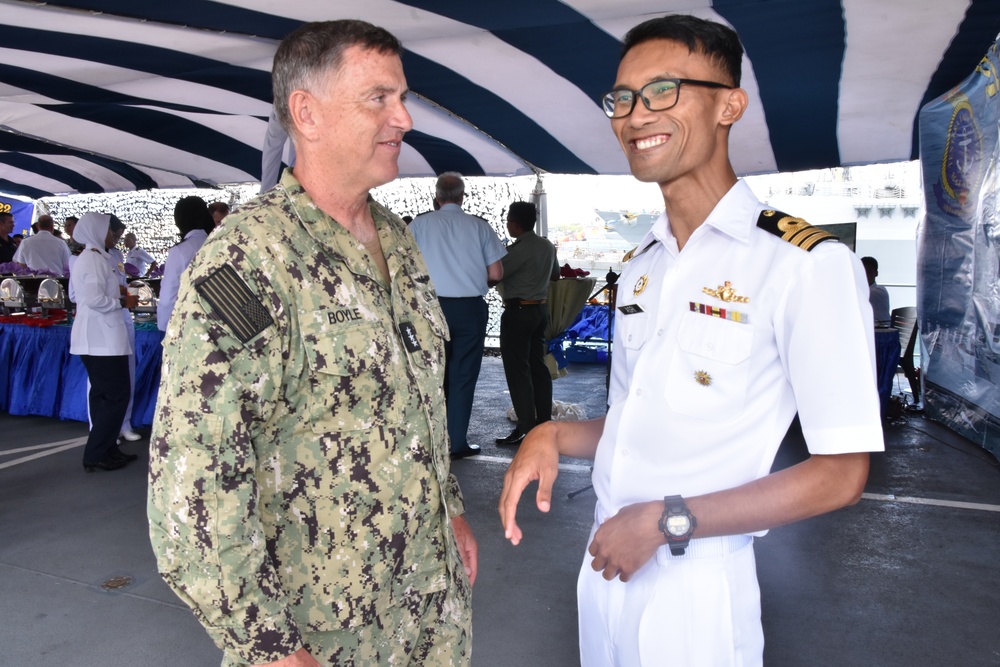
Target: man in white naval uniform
[(731, 318), (43, 251), (138, 257)]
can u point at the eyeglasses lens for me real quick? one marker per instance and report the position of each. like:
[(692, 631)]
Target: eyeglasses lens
[(657, 96)]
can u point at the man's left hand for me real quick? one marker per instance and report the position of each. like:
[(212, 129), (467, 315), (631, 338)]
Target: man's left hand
[(467, 547), (626, 541)]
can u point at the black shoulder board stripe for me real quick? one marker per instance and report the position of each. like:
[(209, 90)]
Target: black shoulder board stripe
[(234, 303), (796, 231)]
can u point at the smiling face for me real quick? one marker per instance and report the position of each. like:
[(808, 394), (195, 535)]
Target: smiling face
[(687, 139), (355, 118)]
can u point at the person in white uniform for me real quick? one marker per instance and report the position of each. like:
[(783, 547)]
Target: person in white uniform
[(195, 223), (116, 260), (137, 257), (43, 252), (731, 318), (101, 339)]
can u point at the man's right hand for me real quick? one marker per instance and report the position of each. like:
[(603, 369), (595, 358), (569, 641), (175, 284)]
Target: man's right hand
[(301, 658), (537, 459)]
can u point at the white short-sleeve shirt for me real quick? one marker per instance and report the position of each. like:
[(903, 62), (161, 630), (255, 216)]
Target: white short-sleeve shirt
[(703, 390), (140, 259), (44, 252)]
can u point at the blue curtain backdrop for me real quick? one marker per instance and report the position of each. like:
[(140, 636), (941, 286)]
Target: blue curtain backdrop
[(22, 211), (958, 272)]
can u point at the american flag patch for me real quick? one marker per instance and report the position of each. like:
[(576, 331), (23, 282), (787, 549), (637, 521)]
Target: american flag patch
[(234, 303), (724, 313)]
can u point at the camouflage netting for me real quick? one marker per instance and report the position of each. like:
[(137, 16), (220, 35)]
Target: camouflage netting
[(149, 214)]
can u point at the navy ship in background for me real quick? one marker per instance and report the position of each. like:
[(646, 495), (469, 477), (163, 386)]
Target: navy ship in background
[(629, 225)]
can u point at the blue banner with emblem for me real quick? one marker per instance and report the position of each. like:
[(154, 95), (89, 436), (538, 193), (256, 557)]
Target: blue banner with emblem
[(958, 255), (23, 212)]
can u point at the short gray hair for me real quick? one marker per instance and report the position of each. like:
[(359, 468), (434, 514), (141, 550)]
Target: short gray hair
[(316, 48), (450, 188)]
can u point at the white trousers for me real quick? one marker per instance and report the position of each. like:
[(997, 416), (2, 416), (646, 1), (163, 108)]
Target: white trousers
[(701, 609)]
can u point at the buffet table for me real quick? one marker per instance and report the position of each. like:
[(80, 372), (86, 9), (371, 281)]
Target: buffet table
[(38, 375)]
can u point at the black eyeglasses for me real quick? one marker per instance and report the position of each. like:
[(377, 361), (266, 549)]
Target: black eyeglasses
[(657, 95)]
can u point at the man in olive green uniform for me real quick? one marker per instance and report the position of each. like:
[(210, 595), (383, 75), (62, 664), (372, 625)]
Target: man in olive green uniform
[(300, 495), (528, 268)]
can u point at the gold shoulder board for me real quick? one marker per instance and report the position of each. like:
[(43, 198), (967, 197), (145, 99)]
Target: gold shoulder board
[(796, 231), (632, 254)]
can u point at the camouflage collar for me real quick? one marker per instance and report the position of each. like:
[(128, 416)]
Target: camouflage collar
[(334, 237)]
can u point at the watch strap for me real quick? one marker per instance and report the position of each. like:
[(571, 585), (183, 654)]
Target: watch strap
[(675, 506)]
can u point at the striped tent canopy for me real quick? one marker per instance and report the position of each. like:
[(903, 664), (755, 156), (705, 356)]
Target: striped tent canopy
[(111, 95)]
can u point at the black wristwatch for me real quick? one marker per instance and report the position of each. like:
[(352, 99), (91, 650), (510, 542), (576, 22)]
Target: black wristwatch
[(677, 524)]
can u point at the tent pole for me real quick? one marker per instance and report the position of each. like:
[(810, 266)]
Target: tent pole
[(539, 199)]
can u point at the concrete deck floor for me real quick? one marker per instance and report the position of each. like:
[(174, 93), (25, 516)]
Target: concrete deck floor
[(907, 577)]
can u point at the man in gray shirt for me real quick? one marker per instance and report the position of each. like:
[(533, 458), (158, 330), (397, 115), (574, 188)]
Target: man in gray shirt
[(463, 257), (528, 268)]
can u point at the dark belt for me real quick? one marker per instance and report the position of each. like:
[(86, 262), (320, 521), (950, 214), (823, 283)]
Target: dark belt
[(524, 302)]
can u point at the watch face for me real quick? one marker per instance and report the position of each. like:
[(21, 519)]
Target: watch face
[(678, 525)]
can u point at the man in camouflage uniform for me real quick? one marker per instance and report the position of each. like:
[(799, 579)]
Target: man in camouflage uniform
[(300, 495)]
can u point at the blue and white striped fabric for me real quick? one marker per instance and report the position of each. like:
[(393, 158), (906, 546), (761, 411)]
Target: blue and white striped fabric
[(107, 95)]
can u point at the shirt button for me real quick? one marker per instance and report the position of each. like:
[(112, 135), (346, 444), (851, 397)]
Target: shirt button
[(624, 453), (710, 346), (638, 392), (659, 332)]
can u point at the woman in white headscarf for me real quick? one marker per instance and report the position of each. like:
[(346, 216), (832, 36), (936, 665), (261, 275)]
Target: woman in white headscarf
[(100, 338)]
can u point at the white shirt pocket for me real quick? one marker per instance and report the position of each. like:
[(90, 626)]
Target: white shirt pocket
[(709, 368), (633, 329)]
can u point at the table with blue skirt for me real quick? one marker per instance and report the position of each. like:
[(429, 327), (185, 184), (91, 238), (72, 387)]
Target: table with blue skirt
[(38, 375)]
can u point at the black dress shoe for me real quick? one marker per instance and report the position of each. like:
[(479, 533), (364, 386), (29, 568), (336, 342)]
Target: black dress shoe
[(122, 456), (514, 438), (107, 464), (468, 450)]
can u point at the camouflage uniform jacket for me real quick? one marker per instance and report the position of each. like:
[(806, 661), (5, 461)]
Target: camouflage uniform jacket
[(299, 473)]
